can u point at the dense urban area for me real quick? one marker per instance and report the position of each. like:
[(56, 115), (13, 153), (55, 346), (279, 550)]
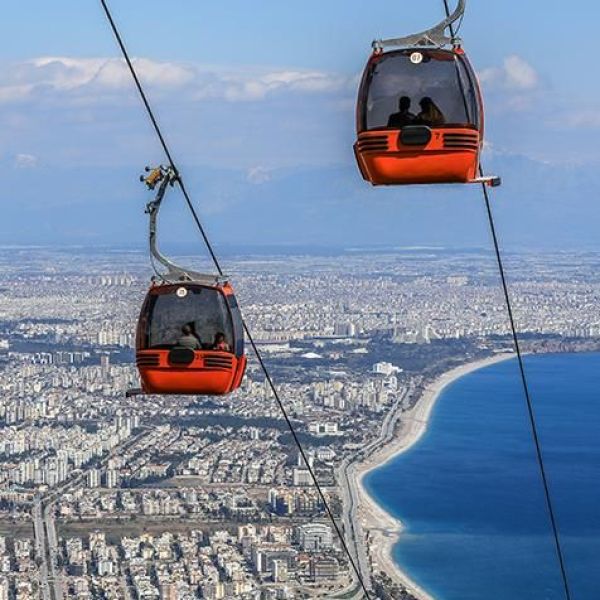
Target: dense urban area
[(108, 497)]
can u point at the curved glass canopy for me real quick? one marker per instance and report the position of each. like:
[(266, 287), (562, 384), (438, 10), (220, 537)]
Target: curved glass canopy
[(189, 316), (436, 88)]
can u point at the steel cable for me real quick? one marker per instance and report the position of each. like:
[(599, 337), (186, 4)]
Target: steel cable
[(529, 402), (217, 264), (522, 372)]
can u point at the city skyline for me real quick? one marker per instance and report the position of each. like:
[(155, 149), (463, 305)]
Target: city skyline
[(351, 346)]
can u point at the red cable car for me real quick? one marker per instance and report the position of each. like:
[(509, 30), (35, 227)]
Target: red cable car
[(190, 339), (420, 111), (190, 334)]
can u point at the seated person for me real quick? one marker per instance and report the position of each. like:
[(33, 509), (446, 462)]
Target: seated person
[(220, 343), (430, 114), (188, 339), (403, 116)]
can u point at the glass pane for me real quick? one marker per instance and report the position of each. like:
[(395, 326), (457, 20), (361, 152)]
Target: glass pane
[(193, 320), (430, 92), (238, 325)]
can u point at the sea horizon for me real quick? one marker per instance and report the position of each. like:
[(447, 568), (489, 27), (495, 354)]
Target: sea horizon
[(469, 492)]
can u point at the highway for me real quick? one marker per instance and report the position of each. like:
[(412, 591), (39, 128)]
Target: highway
[(46, 549), (348, 482), (52, 545), (40, 547)]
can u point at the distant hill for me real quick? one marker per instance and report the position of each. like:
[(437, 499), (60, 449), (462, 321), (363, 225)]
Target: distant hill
[(540, 205)]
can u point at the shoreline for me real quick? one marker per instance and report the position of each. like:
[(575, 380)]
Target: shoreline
[(383, 530)]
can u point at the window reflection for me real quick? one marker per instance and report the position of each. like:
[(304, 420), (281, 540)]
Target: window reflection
[(198, 319), (435, 92)]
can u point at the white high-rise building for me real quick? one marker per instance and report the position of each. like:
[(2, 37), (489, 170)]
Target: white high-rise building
[(4, 588), (301, 477), (112, 478), (315, 537), (385, 368), (93, 478)]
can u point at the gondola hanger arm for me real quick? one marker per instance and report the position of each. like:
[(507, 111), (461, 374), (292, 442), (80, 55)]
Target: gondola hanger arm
[(165, 177), (434, 37)]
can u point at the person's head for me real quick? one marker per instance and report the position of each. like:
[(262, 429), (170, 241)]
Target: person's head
[(426, 103), (186, 330), (219, 337), (404, 103)]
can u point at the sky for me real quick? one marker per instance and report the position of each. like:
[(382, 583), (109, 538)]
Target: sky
[(257, 102)]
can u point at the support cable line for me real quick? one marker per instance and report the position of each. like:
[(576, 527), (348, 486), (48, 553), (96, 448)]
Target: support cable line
[(522, 373), (530, 409), (215, 260)]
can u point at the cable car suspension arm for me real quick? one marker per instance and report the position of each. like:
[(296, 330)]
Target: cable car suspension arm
[(436, 36), (165, 177)]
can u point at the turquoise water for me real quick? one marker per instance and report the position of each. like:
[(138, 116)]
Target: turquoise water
[(470, 492)]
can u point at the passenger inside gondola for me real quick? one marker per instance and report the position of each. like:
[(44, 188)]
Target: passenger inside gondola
[(430, 113), (188, 339), (220, 343), (446, 94), (403, 117), (197, 319)]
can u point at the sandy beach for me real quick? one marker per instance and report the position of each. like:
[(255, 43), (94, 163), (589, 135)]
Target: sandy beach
[(382, 529)]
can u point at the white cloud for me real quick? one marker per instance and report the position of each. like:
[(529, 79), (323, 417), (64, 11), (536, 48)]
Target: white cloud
[(259, 84), (113, 73), (25, 161), (13, 93), (520, 74), (589, 118), (258, 175), (515, 74), (88, 79)]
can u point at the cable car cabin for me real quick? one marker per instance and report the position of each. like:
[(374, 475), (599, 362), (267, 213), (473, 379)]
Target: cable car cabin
[(419, 118), (190, 340)]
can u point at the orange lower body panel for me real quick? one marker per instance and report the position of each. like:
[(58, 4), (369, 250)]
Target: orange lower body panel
[(210, 373), (451, 156)]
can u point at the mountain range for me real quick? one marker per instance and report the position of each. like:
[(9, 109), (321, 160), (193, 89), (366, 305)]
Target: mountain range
[(540, 205)]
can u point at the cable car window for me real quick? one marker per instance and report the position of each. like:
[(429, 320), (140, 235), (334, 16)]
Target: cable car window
[(426, 89), (189, 317), (238, 325)]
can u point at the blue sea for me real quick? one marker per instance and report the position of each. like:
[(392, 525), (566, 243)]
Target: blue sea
[(470, 492)]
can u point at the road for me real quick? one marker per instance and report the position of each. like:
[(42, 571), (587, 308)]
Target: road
[(46, 549), (40, 547), (348, 482), (52, 539)]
